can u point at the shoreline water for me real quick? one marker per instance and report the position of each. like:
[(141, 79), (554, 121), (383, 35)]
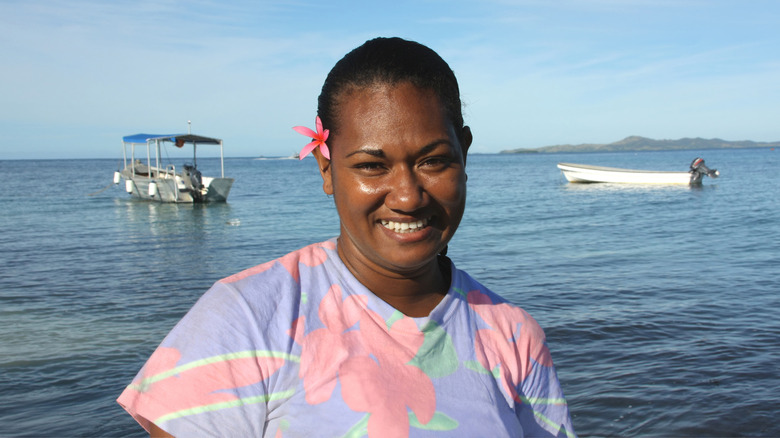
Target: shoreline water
[(657, 302)]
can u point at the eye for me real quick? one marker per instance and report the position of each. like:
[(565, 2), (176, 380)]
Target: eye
[(436, 162), (369, 166)]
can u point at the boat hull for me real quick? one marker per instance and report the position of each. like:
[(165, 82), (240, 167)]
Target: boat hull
[(218, 189), (583, 173), (173, 190)]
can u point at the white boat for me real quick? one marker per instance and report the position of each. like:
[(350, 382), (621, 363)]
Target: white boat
[(584, 173), (148, 178)]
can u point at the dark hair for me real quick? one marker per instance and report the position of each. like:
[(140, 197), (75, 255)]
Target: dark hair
[(390, 61)]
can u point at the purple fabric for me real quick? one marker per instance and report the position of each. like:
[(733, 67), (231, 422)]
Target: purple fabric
[(297, 347)]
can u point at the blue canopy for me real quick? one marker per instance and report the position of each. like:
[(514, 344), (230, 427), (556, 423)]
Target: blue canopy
[(186, 138), (142, 138)]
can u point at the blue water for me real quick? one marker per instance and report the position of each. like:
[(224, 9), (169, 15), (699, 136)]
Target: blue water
[(660, 303)]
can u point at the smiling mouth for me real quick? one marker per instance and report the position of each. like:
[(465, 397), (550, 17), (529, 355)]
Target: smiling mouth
[(405, 227)]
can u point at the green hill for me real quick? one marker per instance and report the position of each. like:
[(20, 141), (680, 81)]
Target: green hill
[(636, 143)]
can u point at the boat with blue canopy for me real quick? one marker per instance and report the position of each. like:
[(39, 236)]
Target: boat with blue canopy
[(147, 177)]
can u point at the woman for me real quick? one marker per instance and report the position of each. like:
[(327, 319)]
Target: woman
[(376, 332)]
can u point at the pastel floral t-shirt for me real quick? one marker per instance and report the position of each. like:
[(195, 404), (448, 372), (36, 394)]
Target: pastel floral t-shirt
[(297, 347)]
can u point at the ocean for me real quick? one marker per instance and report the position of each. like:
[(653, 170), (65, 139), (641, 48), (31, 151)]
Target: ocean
[(659, 303)]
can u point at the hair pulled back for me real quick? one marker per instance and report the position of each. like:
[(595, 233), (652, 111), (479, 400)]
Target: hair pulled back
[(389, 61)]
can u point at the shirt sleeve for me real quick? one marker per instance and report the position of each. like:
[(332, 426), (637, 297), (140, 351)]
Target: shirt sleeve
[(511, 342), (542, 408), (210, 376)]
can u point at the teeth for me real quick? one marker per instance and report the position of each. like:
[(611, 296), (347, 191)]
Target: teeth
[(405, 227)]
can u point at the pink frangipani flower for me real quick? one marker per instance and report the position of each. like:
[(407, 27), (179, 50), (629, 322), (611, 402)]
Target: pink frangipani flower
[(318, 137)]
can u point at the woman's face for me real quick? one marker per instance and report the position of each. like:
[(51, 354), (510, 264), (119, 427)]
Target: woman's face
[(397, 175)]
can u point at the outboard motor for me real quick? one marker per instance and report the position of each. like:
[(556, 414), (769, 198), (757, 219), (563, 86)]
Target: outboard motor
[(698, 170), (193, 180)]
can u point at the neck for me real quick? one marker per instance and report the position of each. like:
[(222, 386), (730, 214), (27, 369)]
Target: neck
[(414, 294)]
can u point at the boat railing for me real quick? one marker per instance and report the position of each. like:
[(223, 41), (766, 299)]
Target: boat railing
[(168, 172)]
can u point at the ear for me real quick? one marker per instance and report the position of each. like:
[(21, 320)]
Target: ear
[(465, 141), (325, 171)]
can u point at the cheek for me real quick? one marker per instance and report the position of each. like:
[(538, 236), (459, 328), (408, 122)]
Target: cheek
[(353, 185), (449, 191), (355, 188), (353, 195), (363, 188)]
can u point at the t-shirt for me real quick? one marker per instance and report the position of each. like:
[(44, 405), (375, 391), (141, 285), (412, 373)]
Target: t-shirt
[(298, 347)]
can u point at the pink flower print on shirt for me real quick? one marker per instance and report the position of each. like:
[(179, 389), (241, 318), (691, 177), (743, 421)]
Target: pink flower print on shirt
[(311, 256), (199, 384), (249, 272), (513, 340), (325, 349), (384, 384)]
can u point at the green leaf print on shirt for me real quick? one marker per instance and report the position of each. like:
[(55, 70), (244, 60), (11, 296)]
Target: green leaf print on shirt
[(478, 367), (437, 356), (438, 422)]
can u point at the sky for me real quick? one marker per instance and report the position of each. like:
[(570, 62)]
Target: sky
[(78, 75)]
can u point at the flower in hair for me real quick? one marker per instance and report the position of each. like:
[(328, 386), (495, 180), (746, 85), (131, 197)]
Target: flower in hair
[(318, 137)]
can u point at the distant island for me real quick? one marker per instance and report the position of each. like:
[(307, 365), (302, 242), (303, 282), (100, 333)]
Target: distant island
[(636, 143)]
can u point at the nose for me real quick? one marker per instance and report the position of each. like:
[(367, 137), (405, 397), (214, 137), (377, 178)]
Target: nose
[(405, 191)]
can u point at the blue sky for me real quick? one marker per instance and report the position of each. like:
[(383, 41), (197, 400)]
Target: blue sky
[(77, 75)]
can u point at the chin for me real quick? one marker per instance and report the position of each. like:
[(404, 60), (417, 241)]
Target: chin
[(412, 259)]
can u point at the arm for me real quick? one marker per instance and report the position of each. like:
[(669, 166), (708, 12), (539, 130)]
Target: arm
[(218, 355)]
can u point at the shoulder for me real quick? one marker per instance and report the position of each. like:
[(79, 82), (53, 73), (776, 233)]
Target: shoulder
[(274, 289), (504, 333), (496, 311), (309, 256), (261, 299)]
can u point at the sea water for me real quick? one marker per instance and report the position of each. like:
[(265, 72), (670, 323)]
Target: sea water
[(659, 303)]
